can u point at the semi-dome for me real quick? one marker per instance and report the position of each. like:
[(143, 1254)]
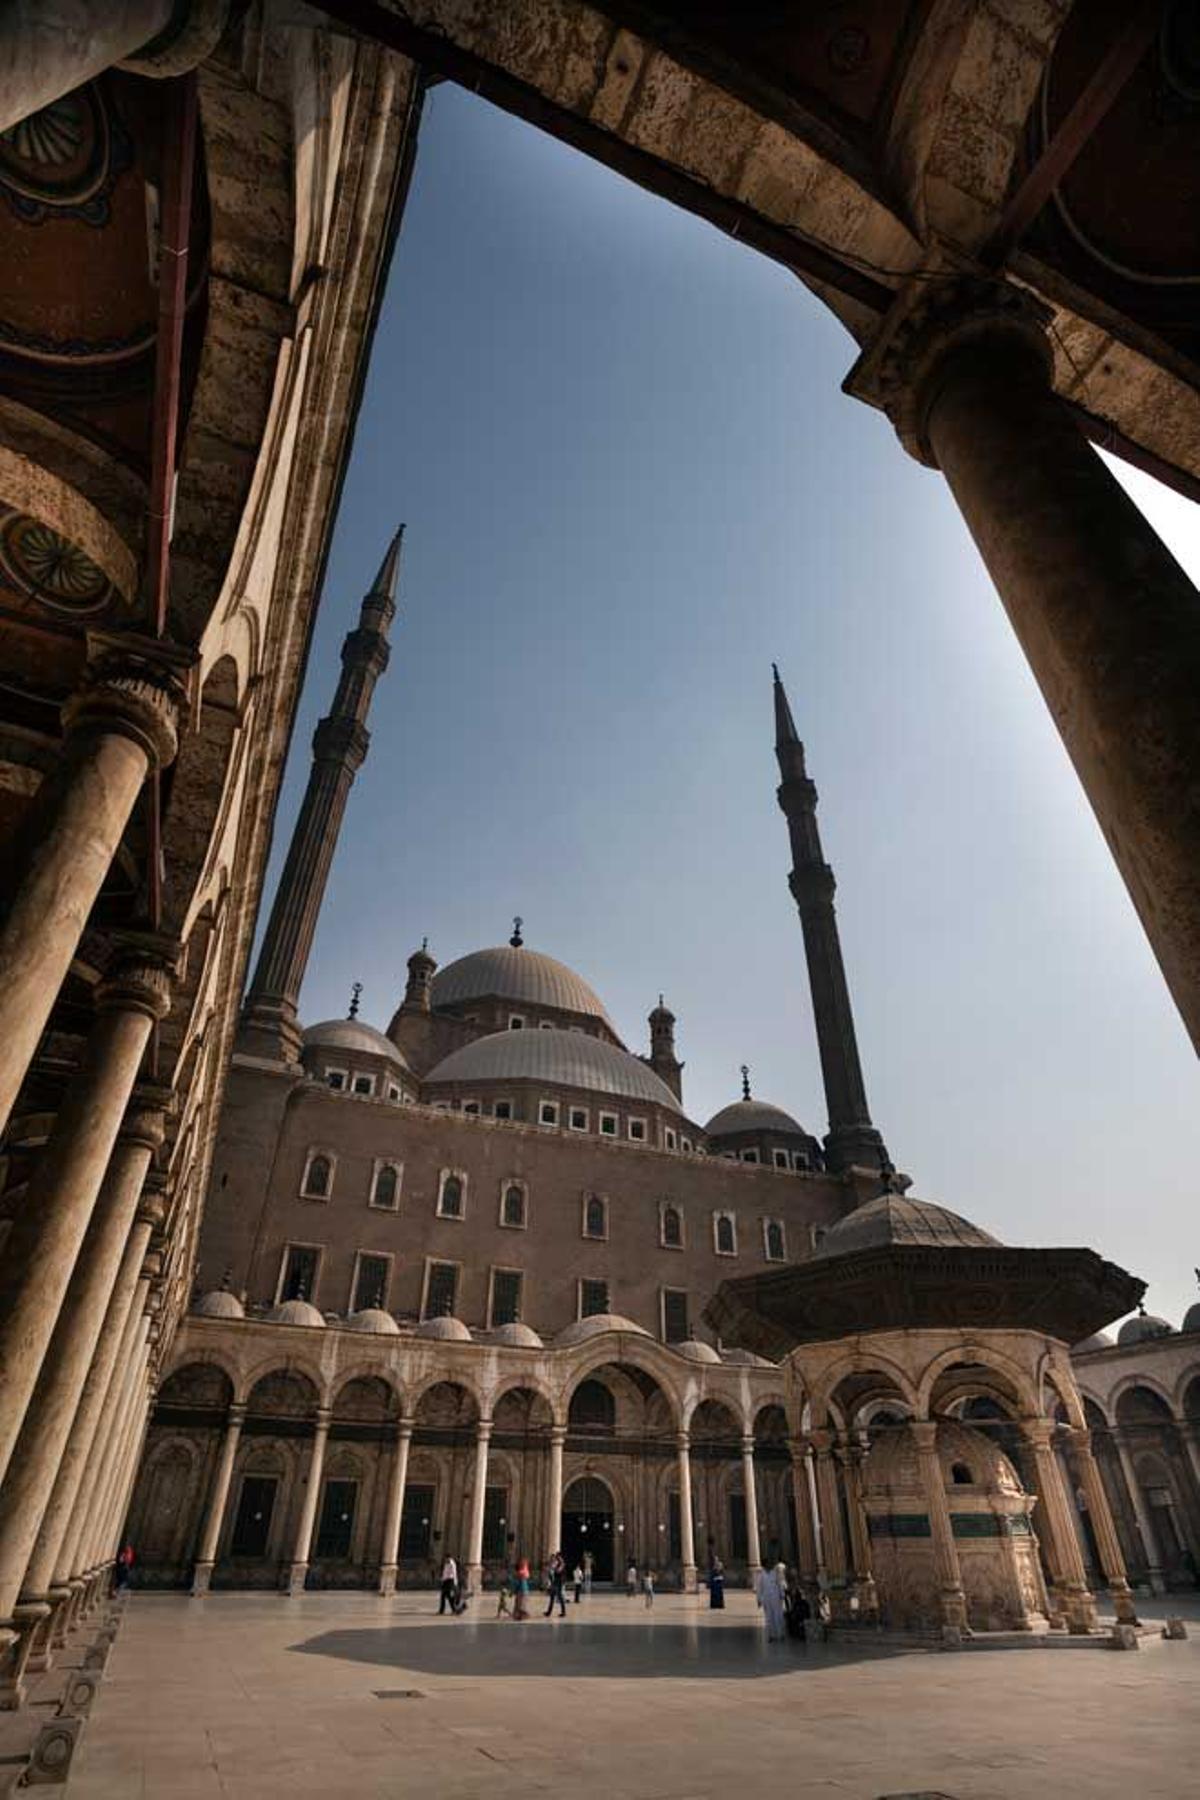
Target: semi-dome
[(352, 1036), (567, 1059), (375, 1321), (511, 972), (695, 1351), (1142, 1327), (516, 1335), (1099, 1340), (893, 1464), (594, 1326), (752, 1115), (894, 1219), (219, 1304), (449, 1329), (295, 1312)]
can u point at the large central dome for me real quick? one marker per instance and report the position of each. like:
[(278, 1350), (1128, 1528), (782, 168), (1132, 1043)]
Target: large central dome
[(514, 973)]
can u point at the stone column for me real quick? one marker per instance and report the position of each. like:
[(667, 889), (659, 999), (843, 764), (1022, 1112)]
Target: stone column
[(1155, 1578), (308, 1511), (850, 1455), (753, 1546), (93, 1545), (125, 1469), (1108, 621), (802, 1507), (51, 1413), (47, 1233), (118, 728), (945, 1554), (1062, 1546), (833, 1538), (687, 1535), (483, 1432), (394, 1512), (211, 1536), (50, 47), (554, 1492), (1190, 1433), (1088, 1475)]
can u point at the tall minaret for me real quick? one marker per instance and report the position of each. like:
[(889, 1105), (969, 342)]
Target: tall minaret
[(852, 1141), (269, 1023)]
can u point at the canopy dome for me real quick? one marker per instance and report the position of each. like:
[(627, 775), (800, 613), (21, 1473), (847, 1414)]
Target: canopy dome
[(508, 972), (568, 1059), (446, 1327), (752, 1115), (374, 1321), (352, 1036), (893, 1219)]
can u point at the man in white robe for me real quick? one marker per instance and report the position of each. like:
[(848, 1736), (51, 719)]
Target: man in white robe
[(769, 1588)]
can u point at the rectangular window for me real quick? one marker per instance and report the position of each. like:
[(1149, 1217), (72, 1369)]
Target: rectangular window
[(548, 1112), (637, 1130), (503, 1109), (750, 1156), (335, 1528), (252, 1523), (364, 1084), (780, 1158), (674, 1531), (299, 1278), (608, 1124), (675, 1316), (739, 1537), (670, 1138), (515, 1022), (593, 1298), (441, 1290), (394, 1092), (336, 1079), (416, 1526), (371, 1277), (495, 1524), (578, 1119), (506, 1297)]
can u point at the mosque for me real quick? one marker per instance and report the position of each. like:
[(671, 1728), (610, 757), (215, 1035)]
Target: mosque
[(480, 1284)]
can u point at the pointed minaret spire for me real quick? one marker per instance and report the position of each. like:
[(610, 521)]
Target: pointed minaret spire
[(852, 1140), (355, 996), (270, 1025)]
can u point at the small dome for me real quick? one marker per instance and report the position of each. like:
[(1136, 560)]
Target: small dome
[(1142, 1327), (753, 1115), (567, 1059), (374, 1320), (522, 1337), (445, 1327), (1191, 1318), (353, 1036), (511, 972), (219, 1304), (295, 1312), (892, 1219), (893, 1465), (746, 1359), (594, 1326), (1099, 1340), (695, 1351)]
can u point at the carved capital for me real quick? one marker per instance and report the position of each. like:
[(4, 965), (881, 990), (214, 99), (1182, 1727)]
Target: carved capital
[(683, 1442), (483, 1431), (1037, 1432), (134, 687), (152, 1207), (925, 1435), (191, 35), (145, 1121), (406, 1428), (237, 1413), (140, 976), (941, 322)]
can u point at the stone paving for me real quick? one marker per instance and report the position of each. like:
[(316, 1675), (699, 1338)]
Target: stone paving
[(249, 1697)]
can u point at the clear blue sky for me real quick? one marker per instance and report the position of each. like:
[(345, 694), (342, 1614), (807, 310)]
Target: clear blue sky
[(630, 482)]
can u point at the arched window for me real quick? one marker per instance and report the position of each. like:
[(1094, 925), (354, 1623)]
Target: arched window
[(592, 1408), (512, 1211), (450, 1199), (725, 1235), (595, 1217), (960, 1475), (774, 1241), (318, 1177), (672, 1228), (387, 1186)]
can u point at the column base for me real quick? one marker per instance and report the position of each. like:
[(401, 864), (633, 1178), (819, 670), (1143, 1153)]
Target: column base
[(1079, 1610), (474, 1578), (1123, 1603), (26, 1619), (201, 1579), (65, 1617), (41, 1648), (387, 1578), (296, 1577)]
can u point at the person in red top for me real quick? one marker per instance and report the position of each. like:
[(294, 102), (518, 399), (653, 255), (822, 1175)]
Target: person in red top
[(125, 1561)]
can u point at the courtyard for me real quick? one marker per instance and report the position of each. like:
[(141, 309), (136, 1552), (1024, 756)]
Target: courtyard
[(243, 1695)]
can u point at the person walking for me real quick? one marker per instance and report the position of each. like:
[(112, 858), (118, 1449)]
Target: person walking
[(589, 1563), (825, 1615), (631, 1579), (716, 1585), (521, 1600), (124, 1568), (769, 1591), (648, 1588), (449, 1587), (556, 1576), (797, 1610), (578, 1578), (507, 1584)]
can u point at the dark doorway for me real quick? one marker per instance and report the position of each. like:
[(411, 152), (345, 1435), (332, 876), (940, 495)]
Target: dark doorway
[(587, 1525), (252, 1527), (417, 1525), (336, 1527)]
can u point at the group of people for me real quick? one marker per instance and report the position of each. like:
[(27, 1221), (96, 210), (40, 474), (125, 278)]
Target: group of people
[(786, 1608)]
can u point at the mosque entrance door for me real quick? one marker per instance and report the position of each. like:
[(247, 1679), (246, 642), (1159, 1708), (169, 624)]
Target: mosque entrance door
[(587, 1525)]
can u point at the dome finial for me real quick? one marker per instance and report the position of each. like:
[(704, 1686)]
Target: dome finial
[(516, 940), (745, 1081), (355, 991)]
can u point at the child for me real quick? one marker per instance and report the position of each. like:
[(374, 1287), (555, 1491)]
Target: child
[(648, 1588)]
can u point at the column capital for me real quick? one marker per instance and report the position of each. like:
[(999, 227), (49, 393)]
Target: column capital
[(748, 1442), (140, 974), (135, 687), (324, 1418), (237, 1413), (406, 1427), (483, 1430), (145, 1120), (558, 1435), (822, 1440), (683, 1441), (153, 1205), (1038, 1432), (900, 372), (924, 1434), (1080, 1438)]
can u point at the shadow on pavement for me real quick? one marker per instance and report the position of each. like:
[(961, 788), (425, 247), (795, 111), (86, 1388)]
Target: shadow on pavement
[(577, 1651)]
